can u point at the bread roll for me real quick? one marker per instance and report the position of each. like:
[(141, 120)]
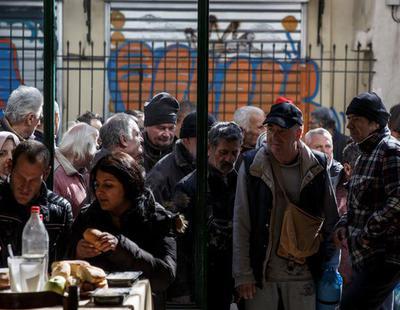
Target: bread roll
[(91, 274), (92, 235), (73, 265), (61, 268), (4, 280)]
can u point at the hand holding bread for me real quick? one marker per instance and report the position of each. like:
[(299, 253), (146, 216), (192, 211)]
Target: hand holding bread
[(101, 241)]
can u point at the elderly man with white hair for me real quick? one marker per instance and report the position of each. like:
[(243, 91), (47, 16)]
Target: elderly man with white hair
[(72, 160), (320, 139), (23, 112), (250, 119), (120, 133)]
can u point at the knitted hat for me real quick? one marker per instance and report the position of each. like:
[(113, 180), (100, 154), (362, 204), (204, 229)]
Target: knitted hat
[(161, 109), (188, 128), (370, 106)]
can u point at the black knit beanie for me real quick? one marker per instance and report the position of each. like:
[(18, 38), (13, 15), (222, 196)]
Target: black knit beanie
[(370, 106), (161, 109), (188, 128)]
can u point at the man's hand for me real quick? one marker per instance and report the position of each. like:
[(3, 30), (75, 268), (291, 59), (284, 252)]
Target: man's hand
[(247, 291), (85, 249), (339, 235)]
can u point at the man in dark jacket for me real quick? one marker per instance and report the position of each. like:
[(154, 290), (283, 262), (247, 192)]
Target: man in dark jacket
[(224, 143), (26, 188), (159, 128), (163, 177), (265, 271), (371, 225)]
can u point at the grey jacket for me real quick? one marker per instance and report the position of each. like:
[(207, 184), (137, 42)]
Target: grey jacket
[(249, 253)]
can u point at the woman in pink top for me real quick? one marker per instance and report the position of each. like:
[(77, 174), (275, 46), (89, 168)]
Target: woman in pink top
[(8, 142), (71, 163)]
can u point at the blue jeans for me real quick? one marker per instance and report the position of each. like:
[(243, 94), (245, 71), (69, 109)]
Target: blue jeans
[(371, 286)]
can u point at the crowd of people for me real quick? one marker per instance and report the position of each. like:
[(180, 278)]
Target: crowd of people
[(282, 205)]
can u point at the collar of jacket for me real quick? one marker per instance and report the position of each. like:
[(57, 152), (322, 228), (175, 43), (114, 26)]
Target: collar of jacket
[(41, 200), (62, 161), (7, 126), (370, 142), (182, 156), (261, 166), (153, 150)]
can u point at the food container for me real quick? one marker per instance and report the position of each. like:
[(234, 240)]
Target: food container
[(122, 279), (110, 296)]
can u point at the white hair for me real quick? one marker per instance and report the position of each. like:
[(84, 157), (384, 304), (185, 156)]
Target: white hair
[(317, 131), (79, 142), (243, 115), (22, 101)]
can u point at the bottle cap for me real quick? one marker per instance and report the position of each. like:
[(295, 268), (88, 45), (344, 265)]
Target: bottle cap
[(35, 209)]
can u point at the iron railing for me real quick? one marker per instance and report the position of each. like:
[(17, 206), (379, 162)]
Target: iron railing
[(105, 80)]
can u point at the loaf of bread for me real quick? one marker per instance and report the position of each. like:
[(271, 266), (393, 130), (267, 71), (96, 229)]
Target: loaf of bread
[(92, 235), (79, 272), (73, 266), (61, 268), (4, 280), (91, 274)]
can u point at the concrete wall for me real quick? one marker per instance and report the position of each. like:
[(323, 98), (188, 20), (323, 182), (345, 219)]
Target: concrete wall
[(75, 30)]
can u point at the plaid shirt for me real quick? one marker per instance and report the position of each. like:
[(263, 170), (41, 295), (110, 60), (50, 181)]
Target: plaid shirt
[(374, 201)]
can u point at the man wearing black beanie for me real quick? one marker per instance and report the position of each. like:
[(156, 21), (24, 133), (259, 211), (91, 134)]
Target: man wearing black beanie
[(159, 128), (371, 225), (163, 178)]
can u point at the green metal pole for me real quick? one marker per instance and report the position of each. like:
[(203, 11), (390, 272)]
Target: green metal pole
[(49, 80), (202, 111)]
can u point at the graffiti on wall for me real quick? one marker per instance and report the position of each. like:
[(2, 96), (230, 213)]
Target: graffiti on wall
[(21, 43), (10, 77), (238, 74)]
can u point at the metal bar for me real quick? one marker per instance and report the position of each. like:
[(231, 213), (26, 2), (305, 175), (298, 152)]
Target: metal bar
[(104, 77), (80, 78), (67, 117), (333, 77), (141, 77), (370, 67), (10, 61), (261, 76), (358, 67), (23, 51), (129, 77), (273, 74), (91, 76), (346, 48), (237, 77), (321, 72), (297, 78), (49, 81), (116, 74), (176, 70), (201, 158)]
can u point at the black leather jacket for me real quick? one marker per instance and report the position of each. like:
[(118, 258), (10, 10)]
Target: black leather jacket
[(57, 217)]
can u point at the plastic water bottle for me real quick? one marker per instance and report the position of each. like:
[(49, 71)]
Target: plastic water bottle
[(35, 249), (329, 290)]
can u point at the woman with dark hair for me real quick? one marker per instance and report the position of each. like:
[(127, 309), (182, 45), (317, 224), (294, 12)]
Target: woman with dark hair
[(137, 233)]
